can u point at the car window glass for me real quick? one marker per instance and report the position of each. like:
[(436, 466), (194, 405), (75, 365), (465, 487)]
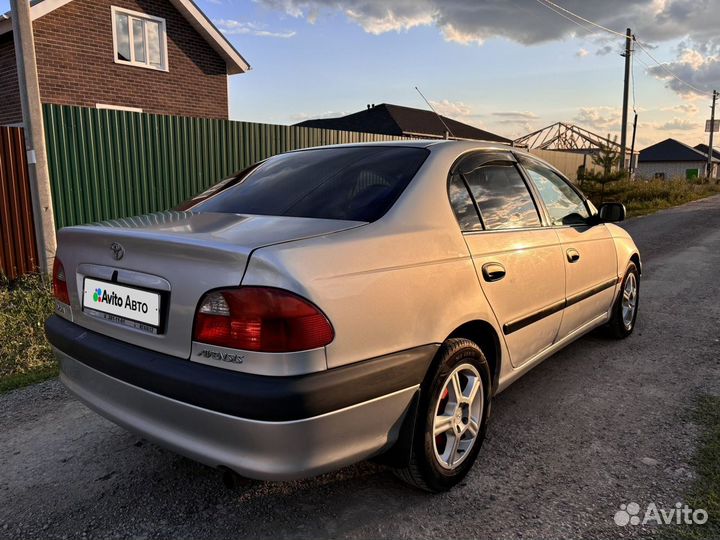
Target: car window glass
[(502, 197), (563, 203), (350, 183), (463, 205)]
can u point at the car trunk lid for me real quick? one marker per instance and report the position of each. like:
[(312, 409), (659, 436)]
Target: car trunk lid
[(178, 256)]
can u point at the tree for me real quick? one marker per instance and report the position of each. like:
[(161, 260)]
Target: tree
[(607, 156)]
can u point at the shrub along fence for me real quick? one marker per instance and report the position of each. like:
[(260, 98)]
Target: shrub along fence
[(18, 252), (107, 164)]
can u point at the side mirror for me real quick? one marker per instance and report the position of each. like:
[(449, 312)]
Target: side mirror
[(612, 212)]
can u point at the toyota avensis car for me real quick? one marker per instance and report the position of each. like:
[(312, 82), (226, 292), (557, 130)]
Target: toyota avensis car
[(334, 304)]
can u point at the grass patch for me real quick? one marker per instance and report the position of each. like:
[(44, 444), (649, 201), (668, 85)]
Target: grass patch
[(25, 355), (33, 376), (642, 197), (705, 492)]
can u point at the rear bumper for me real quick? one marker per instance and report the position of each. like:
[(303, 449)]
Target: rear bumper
[(321, 429)]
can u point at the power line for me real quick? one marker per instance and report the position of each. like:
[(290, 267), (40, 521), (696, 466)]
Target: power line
[(669, 71), (600, 26), (551, 5), (643, 62), (542, 3)]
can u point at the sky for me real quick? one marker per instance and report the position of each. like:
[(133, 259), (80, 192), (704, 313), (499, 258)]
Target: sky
[(507, 66)]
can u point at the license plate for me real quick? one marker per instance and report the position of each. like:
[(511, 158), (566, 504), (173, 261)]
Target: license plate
[(121, 303)]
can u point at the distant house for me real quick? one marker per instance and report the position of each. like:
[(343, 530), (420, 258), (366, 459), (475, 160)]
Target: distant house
[(156, 56), (704, 149), (672, 159), (387, 119)]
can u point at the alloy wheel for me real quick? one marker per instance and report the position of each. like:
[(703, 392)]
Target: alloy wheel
[(458, 414), (629, 300)]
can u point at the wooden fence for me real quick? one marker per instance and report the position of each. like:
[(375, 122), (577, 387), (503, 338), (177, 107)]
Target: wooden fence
[(18, 251)]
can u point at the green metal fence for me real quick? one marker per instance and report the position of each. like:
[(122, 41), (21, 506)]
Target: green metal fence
[(106, 164)]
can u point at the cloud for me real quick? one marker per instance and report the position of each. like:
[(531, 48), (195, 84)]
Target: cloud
[(231, 28), (599, 118), (685, 108), (699, 70), (520, 129), (514, 124), (300, 117), (473, 21), (453, 109), (518, 115), (678, 124), (389, 21), (454, 34)]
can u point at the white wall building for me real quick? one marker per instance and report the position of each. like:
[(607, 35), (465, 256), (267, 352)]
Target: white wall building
[(671, 159)]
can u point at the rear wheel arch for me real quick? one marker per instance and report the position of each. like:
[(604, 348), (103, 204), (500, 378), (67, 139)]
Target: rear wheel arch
[(635, 257), (484, 336)]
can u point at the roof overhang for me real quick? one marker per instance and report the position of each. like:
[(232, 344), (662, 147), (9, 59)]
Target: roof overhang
[(187, 8)]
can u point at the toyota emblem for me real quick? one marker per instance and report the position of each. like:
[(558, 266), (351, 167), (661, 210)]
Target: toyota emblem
[(118, 251)]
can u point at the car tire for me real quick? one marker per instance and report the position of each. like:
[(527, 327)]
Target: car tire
[(624, 311), (438, 462)]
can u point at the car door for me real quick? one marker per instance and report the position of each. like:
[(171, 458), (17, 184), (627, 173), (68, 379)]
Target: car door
[(518, 262), (589, 251)]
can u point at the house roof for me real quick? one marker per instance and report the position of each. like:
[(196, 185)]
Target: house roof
[(187, 8), (672, 150), (387, 119), (704, 149)]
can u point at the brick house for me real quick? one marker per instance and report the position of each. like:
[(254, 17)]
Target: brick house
[(154, 56)]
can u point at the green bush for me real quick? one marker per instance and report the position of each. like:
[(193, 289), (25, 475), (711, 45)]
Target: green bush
[(25, 354), (644, 197)]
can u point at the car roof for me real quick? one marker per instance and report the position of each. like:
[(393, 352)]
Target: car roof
[(420, 143)]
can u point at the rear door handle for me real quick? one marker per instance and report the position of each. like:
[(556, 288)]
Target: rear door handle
[(493, 271), (573, 255)]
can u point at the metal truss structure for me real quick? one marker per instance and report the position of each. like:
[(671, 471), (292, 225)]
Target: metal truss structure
[(562, 136)]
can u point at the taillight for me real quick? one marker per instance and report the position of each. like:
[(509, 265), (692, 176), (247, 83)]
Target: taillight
[(60, 290), (261, 319)]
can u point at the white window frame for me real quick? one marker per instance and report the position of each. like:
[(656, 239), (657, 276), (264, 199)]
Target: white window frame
[(110, 107), (115, 11)]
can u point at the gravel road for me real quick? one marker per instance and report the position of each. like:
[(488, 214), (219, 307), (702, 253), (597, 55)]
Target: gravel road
[(600, 424)]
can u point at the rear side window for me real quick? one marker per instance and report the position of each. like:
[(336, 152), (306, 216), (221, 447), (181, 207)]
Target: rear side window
[(353, 183), (463, 205), (502, 197)]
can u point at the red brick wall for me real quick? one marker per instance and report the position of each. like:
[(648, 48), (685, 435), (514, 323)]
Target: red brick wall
[(10, 109), (74, 48)]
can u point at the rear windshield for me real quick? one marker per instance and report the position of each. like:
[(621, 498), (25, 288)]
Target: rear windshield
[(354, 183)]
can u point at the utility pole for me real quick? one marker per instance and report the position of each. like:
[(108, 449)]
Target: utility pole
[(38, 171), (632, 148), (712, 130), (626, 88)]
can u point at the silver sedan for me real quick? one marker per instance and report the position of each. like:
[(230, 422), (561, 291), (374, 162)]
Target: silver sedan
[(335, 304)]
